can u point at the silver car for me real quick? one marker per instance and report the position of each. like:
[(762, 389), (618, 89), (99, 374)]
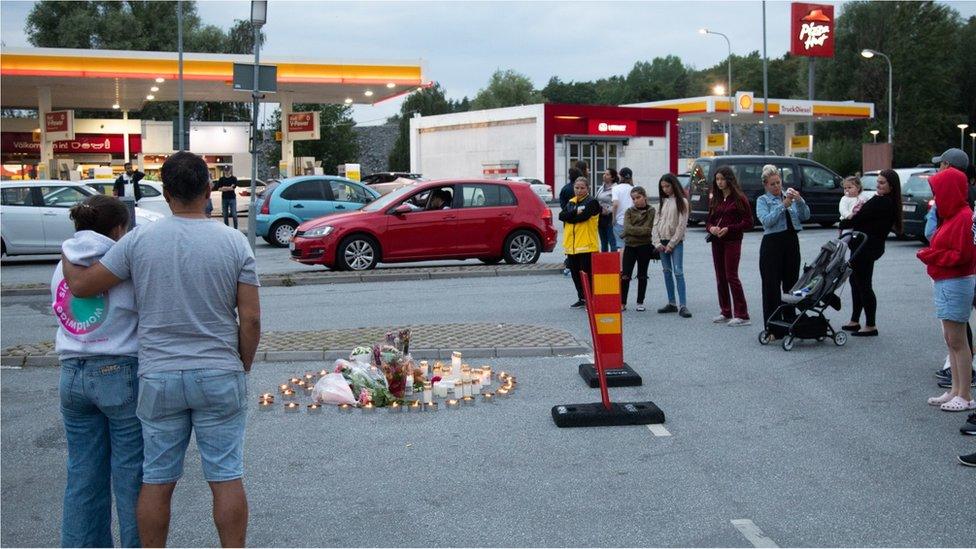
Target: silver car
[(34, 216)]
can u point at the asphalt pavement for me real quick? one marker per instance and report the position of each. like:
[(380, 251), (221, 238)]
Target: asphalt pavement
[(821, 446)]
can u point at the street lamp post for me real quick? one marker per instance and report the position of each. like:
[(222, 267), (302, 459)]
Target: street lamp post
[(972, 147), (259, 16), (868, 54), (729, 44), (962, 135), (874, 134)]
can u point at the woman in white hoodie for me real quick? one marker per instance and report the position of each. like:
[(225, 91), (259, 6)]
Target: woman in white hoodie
[(98, 348), (668, 238)]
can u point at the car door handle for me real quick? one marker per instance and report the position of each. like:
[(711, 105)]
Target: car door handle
[(340, 207), (50, 214), (449, 217), (299, 206)]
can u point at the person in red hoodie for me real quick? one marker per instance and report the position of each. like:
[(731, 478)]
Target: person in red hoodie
[(729, 216), (950, 260)]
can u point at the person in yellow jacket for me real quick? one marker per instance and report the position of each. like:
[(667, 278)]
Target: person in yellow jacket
[(580, 238)]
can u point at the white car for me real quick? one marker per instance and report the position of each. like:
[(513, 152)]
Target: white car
[(152, 193), (542, 190), (34, 216), (243, 192), (870, 179)]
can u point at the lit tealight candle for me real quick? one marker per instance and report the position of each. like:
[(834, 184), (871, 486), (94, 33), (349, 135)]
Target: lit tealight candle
[(430, 407), (308, 390), (345, 408), (291, 407), (396, 407), (502, 393), (301, 384), (453, 404), (415, 406), (265, 405), (283, 388), (323, 373), (468, 400), (288, 394), (368, 407), (488, 397), (266, 396), (314, 408), (294, 381), (309, 377), (502, 376)]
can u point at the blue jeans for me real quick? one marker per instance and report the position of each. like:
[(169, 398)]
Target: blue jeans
[(210, 403), (229, 209), (618, 231), (608, 241), (98, 405), (674, 273)]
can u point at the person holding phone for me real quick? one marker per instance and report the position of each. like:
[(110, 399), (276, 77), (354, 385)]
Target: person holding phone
[(781, 213)]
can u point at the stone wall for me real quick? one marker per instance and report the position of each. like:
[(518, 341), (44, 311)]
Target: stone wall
[(375, 144), (746, 139)]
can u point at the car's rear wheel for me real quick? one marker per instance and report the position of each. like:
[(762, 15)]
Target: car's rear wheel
[(281, 232), (358, 252), (490, 260), (522, 248)]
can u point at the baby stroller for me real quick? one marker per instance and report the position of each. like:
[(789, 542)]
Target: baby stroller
[(800, 316)]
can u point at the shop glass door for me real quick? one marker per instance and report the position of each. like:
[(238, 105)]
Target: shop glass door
[(598, 155)]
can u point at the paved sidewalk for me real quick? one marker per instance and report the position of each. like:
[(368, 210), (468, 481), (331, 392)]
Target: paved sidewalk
[(386, 274), (433, 341)]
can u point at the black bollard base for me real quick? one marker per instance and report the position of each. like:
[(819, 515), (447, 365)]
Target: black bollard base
[(616, 377), (595, 415)]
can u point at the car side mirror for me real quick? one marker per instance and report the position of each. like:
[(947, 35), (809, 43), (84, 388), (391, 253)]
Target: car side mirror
[(402, 209)]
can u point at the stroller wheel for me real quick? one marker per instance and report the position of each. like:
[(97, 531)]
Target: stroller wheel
[(788, 342), (764, 337), (840, 338)]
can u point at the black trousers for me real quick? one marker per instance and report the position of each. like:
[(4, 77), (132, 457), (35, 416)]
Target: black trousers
[(779, 267), (641, 255), (862, 289), (580, 263)]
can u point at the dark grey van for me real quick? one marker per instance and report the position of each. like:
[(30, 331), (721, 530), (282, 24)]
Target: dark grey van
[(820, 186)]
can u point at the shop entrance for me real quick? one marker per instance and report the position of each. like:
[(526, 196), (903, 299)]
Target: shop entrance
[(598, 155)]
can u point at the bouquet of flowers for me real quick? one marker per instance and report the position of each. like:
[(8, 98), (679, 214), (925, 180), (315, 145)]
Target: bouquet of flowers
[(363, 385)]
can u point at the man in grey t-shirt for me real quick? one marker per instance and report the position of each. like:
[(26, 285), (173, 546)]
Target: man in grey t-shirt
[(199, 326)]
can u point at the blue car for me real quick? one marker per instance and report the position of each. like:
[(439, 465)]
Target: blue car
[(292, 201)]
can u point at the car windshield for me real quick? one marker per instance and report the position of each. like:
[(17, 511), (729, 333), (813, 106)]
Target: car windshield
[(869, 182), (918, 186), (389, 199)]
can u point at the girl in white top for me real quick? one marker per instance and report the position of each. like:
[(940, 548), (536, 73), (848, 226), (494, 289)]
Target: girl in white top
[(667, 237), (852, 200)]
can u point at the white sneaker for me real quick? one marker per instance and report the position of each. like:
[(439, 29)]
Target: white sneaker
[(739, 322), (721, 319)]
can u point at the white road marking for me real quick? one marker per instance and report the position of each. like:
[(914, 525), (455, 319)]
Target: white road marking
[(752, 533), (11, 367), (658, 430)]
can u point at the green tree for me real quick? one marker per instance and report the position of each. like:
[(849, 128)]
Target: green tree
[(662, 78), (426, 102), (506, 89), (337, 140), (578, 93)]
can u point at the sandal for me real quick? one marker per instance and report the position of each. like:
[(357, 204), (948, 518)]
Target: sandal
[(940, 400), (958, 404)]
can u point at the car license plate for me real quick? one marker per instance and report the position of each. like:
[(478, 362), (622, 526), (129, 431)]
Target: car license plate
[(291, 246), (695, 197), (908, 207)]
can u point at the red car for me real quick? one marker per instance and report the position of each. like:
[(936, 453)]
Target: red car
[(447, 219)]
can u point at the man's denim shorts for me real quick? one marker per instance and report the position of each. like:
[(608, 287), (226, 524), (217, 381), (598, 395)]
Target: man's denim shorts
[(954, 298), (210, 403)]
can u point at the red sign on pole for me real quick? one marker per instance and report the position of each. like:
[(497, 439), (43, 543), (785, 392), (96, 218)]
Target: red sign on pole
[(611, 127), (56, 121), (301, 121), (812, 30)]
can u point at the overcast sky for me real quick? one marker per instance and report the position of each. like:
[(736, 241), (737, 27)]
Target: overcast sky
[(462, 43)]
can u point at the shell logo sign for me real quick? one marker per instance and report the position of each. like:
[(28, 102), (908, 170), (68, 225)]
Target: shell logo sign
[(812, 30), (744, 102)]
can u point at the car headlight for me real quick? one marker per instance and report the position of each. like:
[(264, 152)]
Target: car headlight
[(319, 231)]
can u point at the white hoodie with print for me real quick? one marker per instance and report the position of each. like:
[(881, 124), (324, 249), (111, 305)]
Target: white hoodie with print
[(104, 324)]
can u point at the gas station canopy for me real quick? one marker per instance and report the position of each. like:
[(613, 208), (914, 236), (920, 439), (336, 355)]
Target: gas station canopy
[(716, 108), (102, 79)]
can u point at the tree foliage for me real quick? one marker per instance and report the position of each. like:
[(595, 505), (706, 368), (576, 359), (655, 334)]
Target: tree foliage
[(506, 89)]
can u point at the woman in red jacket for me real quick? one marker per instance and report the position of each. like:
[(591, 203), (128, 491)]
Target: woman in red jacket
[(728, 217), (950, 260)]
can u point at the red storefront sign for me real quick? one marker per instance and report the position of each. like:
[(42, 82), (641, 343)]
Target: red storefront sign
[(23, 142), (812, 30), (302, 121), (56, 121), (611, 127)]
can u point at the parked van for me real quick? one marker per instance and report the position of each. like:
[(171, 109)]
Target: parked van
[(819, 185)]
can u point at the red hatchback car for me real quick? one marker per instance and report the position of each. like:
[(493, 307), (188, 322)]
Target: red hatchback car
[(447, 219)]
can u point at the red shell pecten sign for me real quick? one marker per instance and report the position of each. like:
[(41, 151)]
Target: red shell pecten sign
[(812, 30)]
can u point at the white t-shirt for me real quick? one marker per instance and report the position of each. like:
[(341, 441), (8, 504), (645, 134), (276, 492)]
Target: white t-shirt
[(621, 196), (127, 187)]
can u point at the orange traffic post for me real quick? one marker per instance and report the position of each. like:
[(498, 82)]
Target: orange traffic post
[(606, 325)]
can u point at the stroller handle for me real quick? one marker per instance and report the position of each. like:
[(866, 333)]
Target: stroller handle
[(849, 237)]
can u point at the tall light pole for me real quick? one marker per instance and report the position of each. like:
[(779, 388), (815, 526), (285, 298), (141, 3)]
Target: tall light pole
[(962, 135), (765, 86), (179, 47), (868, 54), (972, 147), (731, 109), (259, 16)]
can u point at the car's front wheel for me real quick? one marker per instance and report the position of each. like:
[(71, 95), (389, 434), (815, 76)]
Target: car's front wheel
[(358, 253), (522, 248), (281, 232)]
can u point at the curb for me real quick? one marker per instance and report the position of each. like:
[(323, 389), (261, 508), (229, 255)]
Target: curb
[(300, 279), (333, 354)]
